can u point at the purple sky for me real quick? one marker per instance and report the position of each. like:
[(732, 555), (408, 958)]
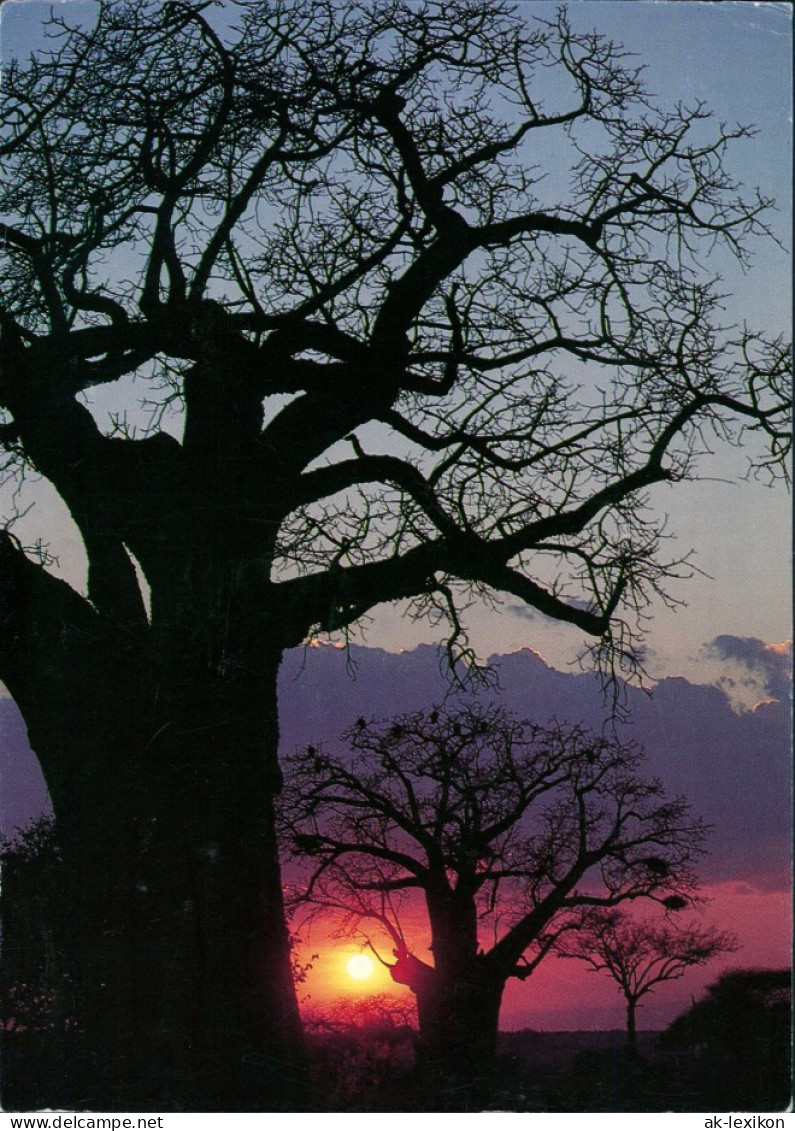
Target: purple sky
[(734, 766)]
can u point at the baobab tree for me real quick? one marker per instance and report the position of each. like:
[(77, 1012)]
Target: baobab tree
[(640, 954), (402, 363), (503, 832)]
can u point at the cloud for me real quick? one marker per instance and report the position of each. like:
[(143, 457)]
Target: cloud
[(524, 612), (769, 665)]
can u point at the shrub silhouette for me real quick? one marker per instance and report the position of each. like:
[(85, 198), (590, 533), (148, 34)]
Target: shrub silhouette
[(738, 1039)]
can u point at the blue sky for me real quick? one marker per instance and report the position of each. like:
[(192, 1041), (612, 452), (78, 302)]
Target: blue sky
[(737, 58)]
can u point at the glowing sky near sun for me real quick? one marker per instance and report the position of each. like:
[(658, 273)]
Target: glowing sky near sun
[(565, 994), (360, 967)]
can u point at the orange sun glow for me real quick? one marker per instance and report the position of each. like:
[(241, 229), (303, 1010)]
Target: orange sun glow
[(360, 967)]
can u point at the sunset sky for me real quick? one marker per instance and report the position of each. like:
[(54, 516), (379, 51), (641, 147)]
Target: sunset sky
[(736, 621), (565, 994), (733, 765)]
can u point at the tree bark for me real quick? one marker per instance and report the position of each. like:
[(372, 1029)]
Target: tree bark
[(458, 1024), (171, 944), (632, 1034)]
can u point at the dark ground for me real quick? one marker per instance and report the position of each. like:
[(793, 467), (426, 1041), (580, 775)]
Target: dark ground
[(555, 1072), (373, 1069)]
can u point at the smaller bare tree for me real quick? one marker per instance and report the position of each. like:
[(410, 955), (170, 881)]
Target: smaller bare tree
[(640, 954), (502, 832)]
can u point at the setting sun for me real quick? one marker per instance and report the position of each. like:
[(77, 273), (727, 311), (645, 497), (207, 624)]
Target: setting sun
[(360, 967)]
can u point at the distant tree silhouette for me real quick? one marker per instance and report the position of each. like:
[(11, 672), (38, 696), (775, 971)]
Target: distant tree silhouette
[(405, 363), (506, 830), (742, 1010), (383, 1013), (737, 1040), (640, 954), (31, 875), (38, 1018)]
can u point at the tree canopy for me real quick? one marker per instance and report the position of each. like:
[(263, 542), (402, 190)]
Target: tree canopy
[(442, 364), (745, 1011), (640, 954), (739, 1033), (509, 824)]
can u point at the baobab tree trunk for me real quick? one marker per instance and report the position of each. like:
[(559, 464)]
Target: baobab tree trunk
[(458, 1011), (158, 739), (172, 945), (208, 862)]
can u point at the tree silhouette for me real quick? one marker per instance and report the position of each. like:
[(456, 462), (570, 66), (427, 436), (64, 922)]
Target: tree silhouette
[(738, 1037), (640, 954), (38, 1018), (400, 363), (31, 872), (506, 830)]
